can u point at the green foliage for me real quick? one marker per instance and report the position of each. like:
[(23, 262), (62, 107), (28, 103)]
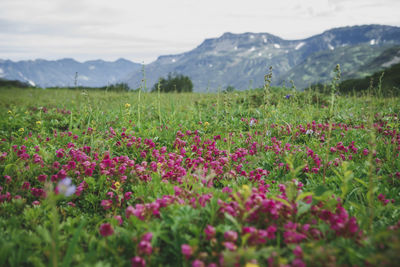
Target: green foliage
[(229, 89), (13, 83), (276, 138), (174, 83), (118, 87), (383, 83), (386, 82)]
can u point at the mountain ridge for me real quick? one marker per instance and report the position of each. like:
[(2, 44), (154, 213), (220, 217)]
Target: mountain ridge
[(232, 59), (242, 59), (61, 72)]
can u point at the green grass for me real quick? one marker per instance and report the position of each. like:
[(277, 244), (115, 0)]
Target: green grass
[(186, 188)]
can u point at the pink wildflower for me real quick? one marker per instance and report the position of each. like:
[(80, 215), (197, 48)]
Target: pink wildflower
[(42, 177), (229, 245), (209, 231), (186, 251), (230, 236), (106, 204), (198, 263), (106, 229), (145, 247), (138, 262)]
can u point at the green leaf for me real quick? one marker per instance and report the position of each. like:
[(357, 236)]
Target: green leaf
[(303, 195), (320, 190), (361, 182), (70, 251), (303, 208), (234, 221), (283, 201), (10, 168)]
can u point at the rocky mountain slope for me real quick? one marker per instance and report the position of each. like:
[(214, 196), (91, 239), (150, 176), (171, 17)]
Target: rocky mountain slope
[(47, 73), (242, 60), (239, 60)]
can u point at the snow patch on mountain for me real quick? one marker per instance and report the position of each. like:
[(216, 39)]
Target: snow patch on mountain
[(300, 45), (55, 73), (394, 60), (264, 39)]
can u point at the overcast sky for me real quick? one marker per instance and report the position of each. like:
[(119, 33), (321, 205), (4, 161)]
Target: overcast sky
[(141, 30)]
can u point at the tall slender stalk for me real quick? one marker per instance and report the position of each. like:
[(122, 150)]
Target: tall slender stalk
[(219, 89), (51, 201), (380, 94), (138, 107), (371, 169), (54, 233), (159, 101), (334, 87), (144, 78), (267, 85), (142, 86)]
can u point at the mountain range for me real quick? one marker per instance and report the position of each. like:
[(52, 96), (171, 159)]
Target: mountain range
[(238, 60), (66, 72), (242, 60)]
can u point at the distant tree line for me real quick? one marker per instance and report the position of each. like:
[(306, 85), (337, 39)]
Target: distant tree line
[(14, 83), (174, 83), (118, 87)]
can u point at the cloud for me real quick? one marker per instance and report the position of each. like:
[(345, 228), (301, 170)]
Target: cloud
[(143, 30)]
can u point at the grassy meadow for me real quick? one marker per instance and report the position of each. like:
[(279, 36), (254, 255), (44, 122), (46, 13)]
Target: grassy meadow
[(268, 177)]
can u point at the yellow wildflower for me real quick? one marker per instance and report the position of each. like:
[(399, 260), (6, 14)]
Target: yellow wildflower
[(9, 112), (38, 122), (21, 129), (206, 124), (117, 185), (245, 191), (127, 105), (249, 264), (245, 187)]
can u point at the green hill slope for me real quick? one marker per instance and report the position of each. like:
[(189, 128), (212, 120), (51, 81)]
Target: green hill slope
[(390, 82), (318, 68), (386, 59)]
